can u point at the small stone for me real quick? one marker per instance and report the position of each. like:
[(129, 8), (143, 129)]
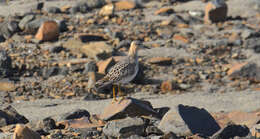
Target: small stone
[(2, 39), (107, 10), (90, 67), (95, 3), (23, 132), (166, 86), (78, 113), (215, 11), (80, 7), (65, 8), (231, 131), (54, 10), (48, 31), (196, 13), (164, 11), (129, 107), (181, 38), (7, 86), (7, 29), (105, 65), (124, 5), (124, 128), (160, 60), (249, 71), (83, 122), (25, 20), (5, 64), (236, 67), (33, 25), (38, 6), (47, 124)]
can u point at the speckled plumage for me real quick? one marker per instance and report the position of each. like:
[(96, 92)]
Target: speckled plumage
[(124, 71)]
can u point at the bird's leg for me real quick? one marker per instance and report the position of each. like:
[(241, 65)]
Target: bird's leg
[(121, 94), (114, 95)]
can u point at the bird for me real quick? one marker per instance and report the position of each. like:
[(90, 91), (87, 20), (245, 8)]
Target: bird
[(123, 71)]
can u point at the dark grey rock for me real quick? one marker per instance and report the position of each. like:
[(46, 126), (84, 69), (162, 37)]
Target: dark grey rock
[(90, 67), (250, 71), (62, 25), (87, 132), (73, 10), (13, 26), (34, 25), (8, 28), (48, 124), (53, 10), (2, 39), (5, 64), (95, 3), (75, 114), (231, 131), (9, 115), (38, 6), (248, 33), (25, 21), (124, 128), (82, 7)]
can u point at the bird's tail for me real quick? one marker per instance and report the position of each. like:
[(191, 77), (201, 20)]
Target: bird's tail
[(102, 83)]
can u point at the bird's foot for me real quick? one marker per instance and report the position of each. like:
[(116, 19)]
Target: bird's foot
[(114, 100), (121, 99)]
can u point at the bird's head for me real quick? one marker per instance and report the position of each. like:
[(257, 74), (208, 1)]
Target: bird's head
[(134, 47)]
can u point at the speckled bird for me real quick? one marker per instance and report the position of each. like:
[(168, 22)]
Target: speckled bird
[(122, 72)]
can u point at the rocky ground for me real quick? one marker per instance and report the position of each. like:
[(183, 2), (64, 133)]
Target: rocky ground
[(199, 70)]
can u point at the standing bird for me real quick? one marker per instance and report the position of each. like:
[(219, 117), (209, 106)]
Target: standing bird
[(122, 72)]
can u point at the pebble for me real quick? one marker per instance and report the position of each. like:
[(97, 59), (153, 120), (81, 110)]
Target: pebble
[(124, 5), (124, 128), (78, 113), (48, 31), (215, 11), (26, 19), (54, 10)]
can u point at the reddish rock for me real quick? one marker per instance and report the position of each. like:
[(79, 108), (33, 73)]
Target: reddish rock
[(104, 65), (180, 38), (166, 86), (164, 10), (129, 107), (7, 86), (84, 122), (23, 132), (48, 31), (215, 11), (236, 67), (124, 5), (107, 10)]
